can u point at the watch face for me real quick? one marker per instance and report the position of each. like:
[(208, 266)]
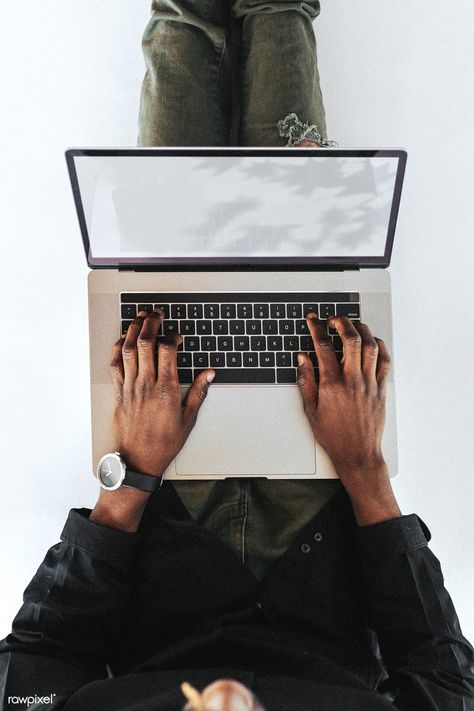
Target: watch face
[(110, 472)]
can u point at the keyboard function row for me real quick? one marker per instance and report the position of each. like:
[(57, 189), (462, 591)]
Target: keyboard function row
[(242, 311)]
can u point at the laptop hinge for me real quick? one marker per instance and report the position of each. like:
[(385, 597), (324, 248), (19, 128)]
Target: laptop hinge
[(239, 267)]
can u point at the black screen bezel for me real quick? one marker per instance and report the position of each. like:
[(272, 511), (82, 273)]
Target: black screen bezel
[(232, 263)]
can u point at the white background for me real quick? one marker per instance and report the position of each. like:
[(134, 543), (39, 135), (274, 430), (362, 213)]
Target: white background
[(393, 75)]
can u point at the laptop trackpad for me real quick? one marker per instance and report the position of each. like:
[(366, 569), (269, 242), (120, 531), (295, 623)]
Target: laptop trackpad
[(249, 431)]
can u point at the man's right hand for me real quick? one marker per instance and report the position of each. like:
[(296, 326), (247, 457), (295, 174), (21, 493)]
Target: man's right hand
[(346, 411)]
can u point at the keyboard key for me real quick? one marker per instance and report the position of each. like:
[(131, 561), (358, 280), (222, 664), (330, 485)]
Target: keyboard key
[(270, 327), (310, 308), (286, 375), (194, 310), (283, 360), (250, 360), (267, 360), (165, 308), (287, 327), (227, 310), (237, 327), (291, 343), (260, 311), (301, 327), (217, 360), (200, 360), (225, 343), (253, 327), (275, 343), (125, 325), (178, 311), (349, 310), (277, 310), (314, 359), (191, 343), (208, 343), (129, 311), (294, 311), (187, 328), (185, 375), (258, 343), (241, 343), (306, 343), (244, 311), (326, 310), (204, 327), (332, 331), (337, 343), (211, 310), (145, 307), (243, 375), (184, 360), (170, 326), (234, 360), (220, 327)]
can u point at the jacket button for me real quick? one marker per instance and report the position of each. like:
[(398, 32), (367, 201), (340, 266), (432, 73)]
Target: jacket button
[(305, 548), (318, 537)]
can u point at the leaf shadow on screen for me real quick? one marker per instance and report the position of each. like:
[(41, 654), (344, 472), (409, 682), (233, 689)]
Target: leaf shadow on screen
[(336, 225), (137, 222)]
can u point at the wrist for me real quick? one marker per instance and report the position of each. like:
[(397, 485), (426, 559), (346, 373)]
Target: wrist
[(371, 493), (122, 509)]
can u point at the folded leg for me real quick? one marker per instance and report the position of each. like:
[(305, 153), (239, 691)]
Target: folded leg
[(186, 97), (279, 70)]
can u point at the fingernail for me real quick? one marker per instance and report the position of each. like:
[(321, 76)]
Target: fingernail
[(210, 377), (142, 313), (331, 320), (311, 315), (300, 359)]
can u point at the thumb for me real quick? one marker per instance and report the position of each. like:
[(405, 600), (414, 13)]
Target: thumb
[(307, 383), (196, 396)]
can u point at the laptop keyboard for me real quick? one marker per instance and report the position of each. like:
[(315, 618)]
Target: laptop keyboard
[(244, 337)]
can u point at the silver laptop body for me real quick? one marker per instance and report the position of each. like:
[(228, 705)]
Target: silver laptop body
[(237, 224)]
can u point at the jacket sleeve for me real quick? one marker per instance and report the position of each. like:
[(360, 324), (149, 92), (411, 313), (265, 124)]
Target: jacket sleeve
[(71, 615), (430, 665)]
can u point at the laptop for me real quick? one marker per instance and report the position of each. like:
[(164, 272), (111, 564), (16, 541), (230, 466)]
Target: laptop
[(237, 245)]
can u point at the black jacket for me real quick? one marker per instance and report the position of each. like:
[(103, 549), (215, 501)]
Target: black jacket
[(114, 620)]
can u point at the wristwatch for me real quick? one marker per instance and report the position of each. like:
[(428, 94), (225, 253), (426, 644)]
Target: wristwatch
[(112, 473)]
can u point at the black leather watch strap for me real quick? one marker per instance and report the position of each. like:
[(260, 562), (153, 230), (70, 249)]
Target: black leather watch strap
[(144, 482)]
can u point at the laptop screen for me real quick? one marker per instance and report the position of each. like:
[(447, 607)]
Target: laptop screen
[(231, 206)]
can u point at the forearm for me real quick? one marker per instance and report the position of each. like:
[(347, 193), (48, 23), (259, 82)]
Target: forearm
[(121, 509), (371, 493), (429, 662), (71, 616)]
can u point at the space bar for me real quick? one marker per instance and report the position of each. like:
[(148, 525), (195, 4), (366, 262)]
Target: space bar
[(243, 375)]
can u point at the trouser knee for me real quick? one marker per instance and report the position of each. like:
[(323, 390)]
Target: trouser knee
[(240, 8)]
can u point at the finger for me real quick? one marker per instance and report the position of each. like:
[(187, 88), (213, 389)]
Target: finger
[(329, 368), (307, 383), (129, 349), (146, 345), (116, 367), (383, 364), (167, 365), (196, 396), (370, 351), (352, 345)]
